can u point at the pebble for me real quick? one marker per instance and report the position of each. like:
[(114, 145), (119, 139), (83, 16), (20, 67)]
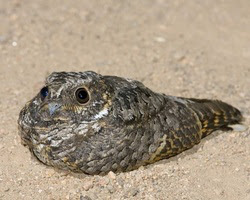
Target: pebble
[(237, 169), (134, 192), (111, 189), (49, 172), (200, 149), (103, 181), (179, 56), (85, 197), (160, 39), (245, 134), (14, 43), (67, 196), (112, 175), (87, 185), (120, 182)]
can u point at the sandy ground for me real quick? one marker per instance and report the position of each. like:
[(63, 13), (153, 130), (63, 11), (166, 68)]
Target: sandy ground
[(188, 48)]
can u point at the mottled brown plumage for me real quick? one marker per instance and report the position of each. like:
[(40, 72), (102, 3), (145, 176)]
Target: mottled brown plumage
[(86, 122)]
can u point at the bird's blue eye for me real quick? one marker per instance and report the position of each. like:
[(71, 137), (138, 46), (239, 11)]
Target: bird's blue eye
[(44, 93)]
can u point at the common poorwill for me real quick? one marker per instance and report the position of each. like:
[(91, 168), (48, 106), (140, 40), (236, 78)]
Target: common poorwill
[(86, 122)]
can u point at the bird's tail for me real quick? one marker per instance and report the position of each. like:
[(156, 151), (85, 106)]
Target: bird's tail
[(215, 114)]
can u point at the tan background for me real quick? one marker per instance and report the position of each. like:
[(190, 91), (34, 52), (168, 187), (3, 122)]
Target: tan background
[(189, 48)]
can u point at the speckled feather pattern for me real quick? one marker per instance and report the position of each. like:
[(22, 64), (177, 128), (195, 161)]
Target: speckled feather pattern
[(123, 126)]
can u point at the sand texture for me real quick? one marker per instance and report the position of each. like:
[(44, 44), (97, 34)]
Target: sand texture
[(185, 48)]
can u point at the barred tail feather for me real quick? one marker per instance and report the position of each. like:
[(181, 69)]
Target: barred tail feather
[(215, 114)]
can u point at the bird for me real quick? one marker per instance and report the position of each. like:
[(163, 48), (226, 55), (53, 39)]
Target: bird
[(90, 123)]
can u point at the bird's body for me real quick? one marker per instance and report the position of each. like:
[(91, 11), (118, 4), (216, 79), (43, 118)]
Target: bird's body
[(86, 122)]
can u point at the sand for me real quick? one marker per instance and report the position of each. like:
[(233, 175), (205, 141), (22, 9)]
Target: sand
[(186, 48)]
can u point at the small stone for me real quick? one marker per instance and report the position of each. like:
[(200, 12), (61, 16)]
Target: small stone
[(200, 149), (134, 192), (14, 44), (111, 189), (245, 134), (50, 172), (111, 175), (67, 196), (176, 168), (103, 181), (87, 185), (125, 196), (237, 169), (160, 39), (141, 168), (186, 172), (120, 182), (179, 56), (85, 197)]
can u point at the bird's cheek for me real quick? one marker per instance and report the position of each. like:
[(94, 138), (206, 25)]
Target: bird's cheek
[(48, 111), (54, 108)]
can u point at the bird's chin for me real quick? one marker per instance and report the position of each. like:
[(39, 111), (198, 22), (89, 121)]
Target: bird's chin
[(34, 128), (29, 128), (25, 141), (25, 134)]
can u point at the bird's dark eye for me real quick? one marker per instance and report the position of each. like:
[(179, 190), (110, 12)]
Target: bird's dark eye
[(82, 95), (44, 93)]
